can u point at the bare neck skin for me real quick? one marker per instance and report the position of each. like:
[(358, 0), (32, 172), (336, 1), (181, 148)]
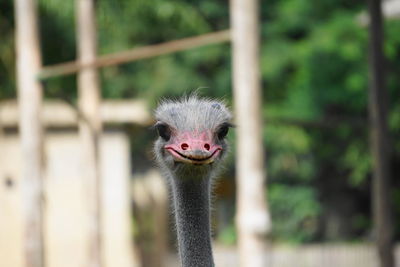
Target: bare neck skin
[(192, 213)]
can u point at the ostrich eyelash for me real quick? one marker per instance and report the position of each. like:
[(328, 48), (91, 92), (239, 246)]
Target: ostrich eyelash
[(227, 124), (223, 130)]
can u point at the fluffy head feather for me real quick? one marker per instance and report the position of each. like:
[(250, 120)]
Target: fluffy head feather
[(192, 133)]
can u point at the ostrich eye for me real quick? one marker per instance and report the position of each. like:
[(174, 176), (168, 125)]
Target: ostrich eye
[(163, 131), (223, 131)]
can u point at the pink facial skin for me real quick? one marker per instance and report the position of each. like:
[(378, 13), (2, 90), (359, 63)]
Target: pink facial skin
[(194, 148)]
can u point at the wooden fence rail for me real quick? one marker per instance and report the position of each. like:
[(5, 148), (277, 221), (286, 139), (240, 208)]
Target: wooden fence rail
[(136, 54)]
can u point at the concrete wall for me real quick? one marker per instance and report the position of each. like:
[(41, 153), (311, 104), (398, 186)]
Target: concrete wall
[(66, 219)]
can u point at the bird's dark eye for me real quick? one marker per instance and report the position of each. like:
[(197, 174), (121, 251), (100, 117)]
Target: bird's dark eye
[(223, 131), (163, 130)]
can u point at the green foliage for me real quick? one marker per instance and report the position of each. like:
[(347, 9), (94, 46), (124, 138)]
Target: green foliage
[(288, 156), (228, 236), (314, 66), (295, 211), (128, 24), (7, 55)]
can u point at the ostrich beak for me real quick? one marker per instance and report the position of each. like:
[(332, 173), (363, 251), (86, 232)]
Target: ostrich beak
[(198, 150)]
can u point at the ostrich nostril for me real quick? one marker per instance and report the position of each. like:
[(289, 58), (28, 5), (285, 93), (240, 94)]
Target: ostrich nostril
[(207, 146), (184, 146)]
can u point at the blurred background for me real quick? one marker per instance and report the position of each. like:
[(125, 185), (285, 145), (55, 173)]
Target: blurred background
[(314, 66)]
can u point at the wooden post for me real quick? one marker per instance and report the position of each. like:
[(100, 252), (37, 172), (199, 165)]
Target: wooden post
[(379, 139), (30, 129), (90, 124), (252, 217)]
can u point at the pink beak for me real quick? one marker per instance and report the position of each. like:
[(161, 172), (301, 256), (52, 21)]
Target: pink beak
[(194, 148)]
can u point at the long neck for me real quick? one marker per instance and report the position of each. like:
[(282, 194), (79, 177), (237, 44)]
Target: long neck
[(192, 213)]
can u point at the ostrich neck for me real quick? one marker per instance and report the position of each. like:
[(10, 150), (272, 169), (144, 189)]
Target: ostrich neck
[(192, 213)]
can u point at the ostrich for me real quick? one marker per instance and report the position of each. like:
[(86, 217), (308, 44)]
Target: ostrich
[(189, 150)]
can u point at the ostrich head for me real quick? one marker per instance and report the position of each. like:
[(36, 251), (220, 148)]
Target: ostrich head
[(192, 135)]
